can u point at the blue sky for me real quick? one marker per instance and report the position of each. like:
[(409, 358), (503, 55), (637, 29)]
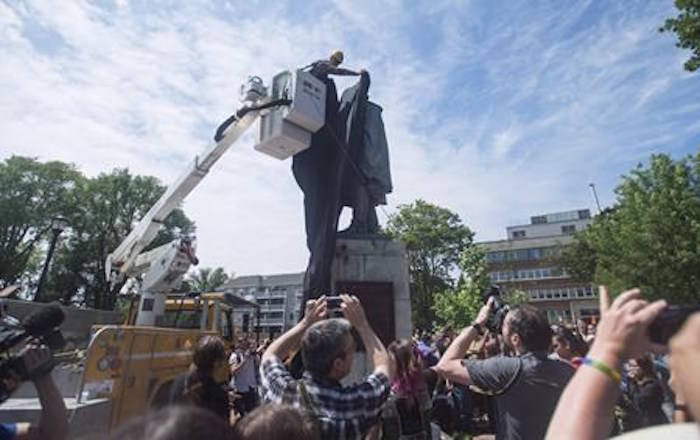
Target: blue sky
[(497, 110)]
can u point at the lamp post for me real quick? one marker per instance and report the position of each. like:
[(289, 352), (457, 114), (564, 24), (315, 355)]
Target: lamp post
[(58, 225)]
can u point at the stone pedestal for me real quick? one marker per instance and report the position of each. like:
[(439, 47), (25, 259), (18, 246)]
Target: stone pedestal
[(376, 270)]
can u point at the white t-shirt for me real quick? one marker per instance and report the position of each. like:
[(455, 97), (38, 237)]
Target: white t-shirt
[(244, 380)]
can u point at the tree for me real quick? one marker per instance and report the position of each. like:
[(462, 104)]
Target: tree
[(651, 237), (458, 307), (434, 237), (107, 207), (31, 194), (206, 279), (686, 26)]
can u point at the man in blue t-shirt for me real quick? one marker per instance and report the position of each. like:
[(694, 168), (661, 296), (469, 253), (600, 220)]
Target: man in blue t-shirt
[(53, 423)]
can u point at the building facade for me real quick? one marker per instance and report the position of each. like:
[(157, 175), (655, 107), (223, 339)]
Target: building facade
[(526, 261), (279, 297)]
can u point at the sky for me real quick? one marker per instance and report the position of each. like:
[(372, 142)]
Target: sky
[(496, 110)]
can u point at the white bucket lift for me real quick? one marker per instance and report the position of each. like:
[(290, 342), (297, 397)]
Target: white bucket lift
[(286, 130)]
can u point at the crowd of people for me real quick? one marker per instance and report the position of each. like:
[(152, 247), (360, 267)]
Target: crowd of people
[(523, 379), (530, 380)]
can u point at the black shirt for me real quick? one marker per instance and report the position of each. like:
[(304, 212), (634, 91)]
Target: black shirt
[(202, 391)]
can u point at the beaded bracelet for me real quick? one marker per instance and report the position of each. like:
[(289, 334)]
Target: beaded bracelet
[(603, 368)]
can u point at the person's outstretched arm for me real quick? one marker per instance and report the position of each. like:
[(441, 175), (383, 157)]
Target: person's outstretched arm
[(53, 424), (585, 409), (353, 311), (450, 364), (341, 71), (290, 341)]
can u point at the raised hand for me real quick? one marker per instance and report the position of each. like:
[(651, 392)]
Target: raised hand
[(623, 325), (353, 311), (316, 310)]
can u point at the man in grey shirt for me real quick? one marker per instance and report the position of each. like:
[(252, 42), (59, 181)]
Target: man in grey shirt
[(527, 386)]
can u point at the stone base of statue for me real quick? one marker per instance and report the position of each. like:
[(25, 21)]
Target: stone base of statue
[(375, 269)]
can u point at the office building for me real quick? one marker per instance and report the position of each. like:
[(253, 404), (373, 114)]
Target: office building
[(279, 297), (527, 261)]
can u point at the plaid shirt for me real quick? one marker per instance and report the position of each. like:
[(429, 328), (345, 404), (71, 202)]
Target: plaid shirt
[(343, 412)]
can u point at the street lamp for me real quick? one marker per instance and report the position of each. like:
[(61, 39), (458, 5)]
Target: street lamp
[(58, 225)]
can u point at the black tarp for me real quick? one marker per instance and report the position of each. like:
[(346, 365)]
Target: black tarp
[(347, 157)]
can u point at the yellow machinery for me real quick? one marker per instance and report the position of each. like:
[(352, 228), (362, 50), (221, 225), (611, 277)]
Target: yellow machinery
[(133, 366)]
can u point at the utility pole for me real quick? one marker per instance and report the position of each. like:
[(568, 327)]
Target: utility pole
[(595, 197), (58, 224)]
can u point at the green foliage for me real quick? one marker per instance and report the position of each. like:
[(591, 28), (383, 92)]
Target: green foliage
[(434, 238), (107, 208), (651, 238), (206, 279), (31, 194), (101, 211), (516, 297), (458, 307), (686, 26), (579, 258)]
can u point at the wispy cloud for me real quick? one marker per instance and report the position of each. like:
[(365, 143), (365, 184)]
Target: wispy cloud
[(496, 110)]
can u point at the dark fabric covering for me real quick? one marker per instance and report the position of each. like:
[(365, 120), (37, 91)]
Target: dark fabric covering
[(316, 171), (347, 164)]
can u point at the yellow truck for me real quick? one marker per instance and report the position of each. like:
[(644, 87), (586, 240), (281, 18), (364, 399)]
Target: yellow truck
[(133, 366)]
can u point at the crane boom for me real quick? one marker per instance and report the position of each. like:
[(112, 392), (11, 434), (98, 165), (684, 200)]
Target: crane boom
[(291, 113), (121, 261)]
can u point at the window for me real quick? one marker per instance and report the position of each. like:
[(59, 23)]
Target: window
[(495, 257), (568, 229), (584, 214), (519, 234), (189, 319), (538, 220)]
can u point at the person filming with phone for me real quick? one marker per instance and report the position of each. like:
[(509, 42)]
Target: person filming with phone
[(327, 348), (629, 328)]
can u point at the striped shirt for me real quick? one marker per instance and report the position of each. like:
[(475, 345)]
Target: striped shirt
[(343, 412)]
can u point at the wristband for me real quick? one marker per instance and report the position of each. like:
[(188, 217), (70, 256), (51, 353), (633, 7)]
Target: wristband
[(603, 368)]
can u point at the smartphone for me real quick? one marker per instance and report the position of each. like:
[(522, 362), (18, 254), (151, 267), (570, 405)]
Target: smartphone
[(669, 322), (333, 303)]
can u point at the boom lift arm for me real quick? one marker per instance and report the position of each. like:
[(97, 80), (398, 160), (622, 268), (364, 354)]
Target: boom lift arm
[(293, 110)]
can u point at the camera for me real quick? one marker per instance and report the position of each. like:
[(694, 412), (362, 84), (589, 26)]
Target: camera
[(669, 322), (499, 310), (40, 327)]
